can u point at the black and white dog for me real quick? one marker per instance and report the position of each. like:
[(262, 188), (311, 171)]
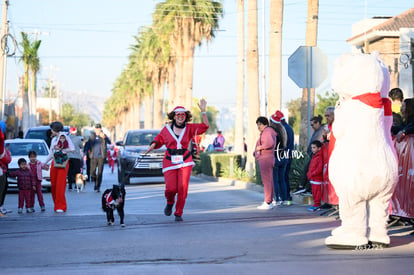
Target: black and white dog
[(114, 199)]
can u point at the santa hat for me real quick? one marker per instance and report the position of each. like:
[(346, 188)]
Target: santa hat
[(73, 130), (179, 109), (277, 117)]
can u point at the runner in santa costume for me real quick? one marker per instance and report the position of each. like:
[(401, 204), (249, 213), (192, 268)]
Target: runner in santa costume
[(178, 162)]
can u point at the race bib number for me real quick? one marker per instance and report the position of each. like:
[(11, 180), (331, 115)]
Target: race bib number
[(177, 159)]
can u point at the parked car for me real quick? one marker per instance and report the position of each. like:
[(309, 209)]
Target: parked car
[(19, 148), (39, 132), (131, 162)]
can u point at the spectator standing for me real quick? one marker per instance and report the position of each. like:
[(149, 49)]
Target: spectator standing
[(328, 192), (402, 198), (4, 162), (396, 95), (315, 174), (265, 156), (281, 160), (218, 142), (98, 154), (75, 157), (87, 153), (36, 167), (290, 144), (316, 124), (26, 184)]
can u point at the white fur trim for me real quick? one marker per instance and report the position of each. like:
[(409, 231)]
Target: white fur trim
[(178, 166), (180, 110), (274, 121)]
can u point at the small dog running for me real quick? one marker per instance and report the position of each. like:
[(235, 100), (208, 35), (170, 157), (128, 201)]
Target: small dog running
[(80, 182), (114, 199)]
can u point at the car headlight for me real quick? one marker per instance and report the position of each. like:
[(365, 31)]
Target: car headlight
[(132, 154)]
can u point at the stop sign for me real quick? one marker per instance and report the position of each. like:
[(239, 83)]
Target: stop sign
[(308, 67)]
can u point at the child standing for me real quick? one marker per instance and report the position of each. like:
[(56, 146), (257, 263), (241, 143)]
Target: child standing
[(36, 167), (315, 174), (26, 184)]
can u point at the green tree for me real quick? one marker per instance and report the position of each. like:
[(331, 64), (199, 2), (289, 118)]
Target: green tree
[(31, 64), (74, 118), (187, 23), (323, 101), (328, 99), (294, 113)]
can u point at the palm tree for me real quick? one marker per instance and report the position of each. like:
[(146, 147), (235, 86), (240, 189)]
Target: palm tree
[(239, 127), (31, 65), (34, 68), (311, 40), (155, 65), (252, 59), (275, 56), (187, 23)]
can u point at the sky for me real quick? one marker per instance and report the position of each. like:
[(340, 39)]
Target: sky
[(86, 43)]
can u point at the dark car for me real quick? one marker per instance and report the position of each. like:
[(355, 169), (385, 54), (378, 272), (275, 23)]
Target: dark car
[(132, 162), (39, 132)]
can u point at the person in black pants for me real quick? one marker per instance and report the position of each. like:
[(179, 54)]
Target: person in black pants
[(75, 158), (98, 154)]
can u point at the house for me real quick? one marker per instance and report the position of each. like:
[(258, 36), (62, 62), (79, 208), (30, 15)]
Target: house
[(393, 38)]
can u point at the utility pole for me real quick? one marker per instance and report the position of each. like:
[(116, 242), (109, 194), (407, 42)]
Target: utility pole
[(3, 54), (308, 95)]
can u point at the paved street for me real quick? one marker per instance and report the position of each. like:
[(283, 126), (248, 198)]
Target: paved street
[(222, 233)]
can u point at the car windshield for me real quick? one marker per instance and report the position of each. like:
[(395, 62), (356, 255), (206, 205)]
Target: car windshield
[(23, 148), (138, 139), (36, 135)]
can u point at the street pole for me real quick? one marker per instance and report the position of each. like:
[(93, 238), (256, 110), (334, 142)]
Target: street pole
[(3, 55)]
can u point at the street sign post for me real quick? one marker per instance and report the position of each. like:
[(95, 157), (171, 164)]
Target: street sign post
[(308, 68)]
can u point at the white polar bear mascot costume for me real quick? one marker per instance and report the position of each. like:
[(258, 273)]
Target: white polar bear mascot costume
[(363, 164)]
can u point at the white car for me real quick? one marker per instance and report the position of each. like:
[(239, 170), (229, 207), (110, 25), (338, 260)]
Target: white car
[(19, 148)]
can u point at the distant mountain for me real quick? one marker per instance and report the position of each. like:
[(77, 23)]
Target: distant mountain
[(90, 104)]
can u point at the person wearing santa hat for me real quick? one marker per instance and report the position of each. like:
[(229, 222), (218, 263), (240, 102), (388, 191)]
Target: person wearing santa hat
[(178, 163), (75, 157), (281, 160)]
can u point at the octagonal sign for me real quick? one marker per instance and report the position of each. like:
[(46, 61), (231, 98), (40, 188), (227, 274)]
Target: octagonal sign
[(308, 67)]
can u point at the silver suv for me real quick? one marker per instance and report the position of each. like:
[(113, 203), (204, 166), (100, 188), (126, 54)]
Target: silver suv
[(131, 162)]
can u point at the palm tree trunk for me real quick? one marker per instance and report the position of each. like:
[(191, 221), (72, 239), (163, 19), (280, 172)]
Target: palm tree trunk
[(157, 103), (137, 111), (33, 109), (171, 86), (252, 59), (275, 57), (148, 112), (239, 127), (311, 40), (26, 106)]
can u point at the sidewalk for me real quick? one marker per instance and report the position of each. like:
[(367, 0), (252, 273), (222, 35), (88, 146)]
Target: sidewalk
[(297, 199)]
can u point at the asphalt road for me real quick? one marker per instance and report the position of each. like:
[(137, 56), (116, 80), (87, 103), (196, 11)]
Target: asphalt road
[(222, 233)]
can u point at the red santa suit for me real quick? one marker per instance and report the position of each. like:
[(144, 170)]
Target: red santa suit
[(112, 155), (178, 162)]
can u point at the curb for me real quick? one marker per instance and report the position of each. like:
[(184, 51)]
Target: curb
[(298, 199)]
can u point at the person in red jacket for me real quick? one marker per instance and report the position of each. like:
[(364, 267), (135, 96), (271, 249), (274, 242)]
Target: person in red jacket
[(315, 174), (178, 162)]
